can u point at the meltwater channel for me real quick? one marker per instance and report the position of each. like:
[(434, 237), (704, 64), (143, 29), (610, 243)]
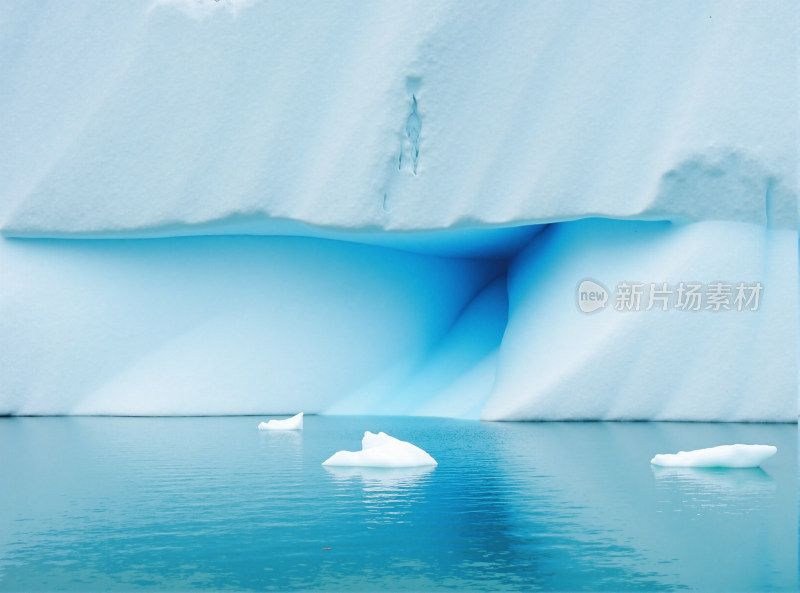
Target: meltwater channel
[(183, 504)]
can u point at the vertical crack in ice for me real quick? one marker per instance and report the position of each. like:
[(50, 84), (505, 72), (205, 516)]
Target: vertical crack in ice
[(413, 129), (408, 139)]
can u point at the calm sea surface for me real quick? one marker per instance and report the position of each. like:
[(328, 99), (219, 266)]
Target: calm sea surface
[(183, 504)]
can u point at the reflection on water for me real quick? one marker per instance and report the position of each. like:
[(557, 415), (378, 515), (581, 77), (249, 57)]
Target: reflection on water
[(285, 436), (390, 495), (160, 504), (738, 482), (731, 491), (377, 479)]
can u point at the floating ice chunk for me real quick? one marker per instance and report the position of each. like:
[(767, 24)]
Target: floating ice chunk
[(293, 423), (382, 450), (722, 456)]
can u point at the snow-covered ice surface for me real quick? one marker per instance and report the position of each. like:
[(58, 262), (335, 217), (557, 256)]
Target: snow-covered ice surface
[(387, 208), (196, 116), (293, 423), (174, 117), (381, 450), (735, 456)]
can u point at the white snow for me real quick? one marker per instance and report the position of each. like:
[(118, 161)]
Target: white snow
[(735, 456), (382, 450), (293, 423), (197, 116)]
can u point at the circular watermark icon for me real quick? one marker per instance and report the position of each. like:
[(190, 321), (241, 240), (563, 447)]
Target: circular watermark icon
[(592, 296)]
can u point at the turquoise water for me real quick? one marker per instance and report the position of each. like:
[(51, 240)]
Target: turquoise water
[(182, 504)]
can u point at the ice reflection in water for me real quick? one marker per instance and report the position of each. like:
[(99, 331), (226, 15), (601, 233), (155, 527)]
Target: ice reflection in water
[(378, 479), (734, 491), (389, 493)]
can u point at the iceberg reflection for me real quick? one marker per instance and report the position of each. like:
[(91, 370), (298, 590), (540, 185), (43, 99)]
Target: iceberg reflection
[(726, 490), (716, 478), (389, 494), (378, 479)]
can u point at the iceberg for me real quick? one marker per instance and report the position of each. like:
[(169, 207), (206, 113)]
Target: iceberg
[(188, 229), (293, 423), (733, 456), (382, 450)]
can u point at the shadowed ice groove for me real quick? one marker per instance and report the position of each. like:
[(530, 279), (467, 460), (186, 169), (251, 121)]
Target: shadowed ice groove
[(239, 322), (457, 376), (558, 363)]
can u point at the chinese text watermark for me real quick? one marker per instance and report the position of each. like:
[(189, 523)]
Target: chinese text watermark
[(664, 296)]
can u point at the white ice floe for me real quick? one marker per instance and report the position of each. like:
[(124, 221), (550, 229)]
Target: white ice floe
[(382, 450), (722, 456), (293, 423)]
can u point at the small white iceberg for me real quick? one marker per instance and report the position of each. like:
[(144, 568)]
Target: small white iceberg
[(382, 450), (293, 423), (723, 456)]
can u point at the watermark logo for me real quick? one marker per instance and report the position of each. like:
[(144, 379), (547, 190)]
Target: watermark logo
[(663, 296), (591, 296)]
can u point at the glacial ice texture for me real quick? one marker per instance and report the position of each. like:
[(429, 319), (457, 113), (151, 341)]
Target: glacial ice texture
[(196, 117), (206, 209)]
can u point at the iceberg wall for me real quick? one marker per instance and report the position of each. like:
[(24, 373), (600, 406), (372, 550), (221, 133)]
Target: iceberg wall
[(244, 207), (621, 363), (215, 325)]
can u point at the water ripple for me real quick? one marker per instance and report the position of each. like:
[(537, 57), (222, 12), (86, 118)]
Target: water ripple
[(112, 504)]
